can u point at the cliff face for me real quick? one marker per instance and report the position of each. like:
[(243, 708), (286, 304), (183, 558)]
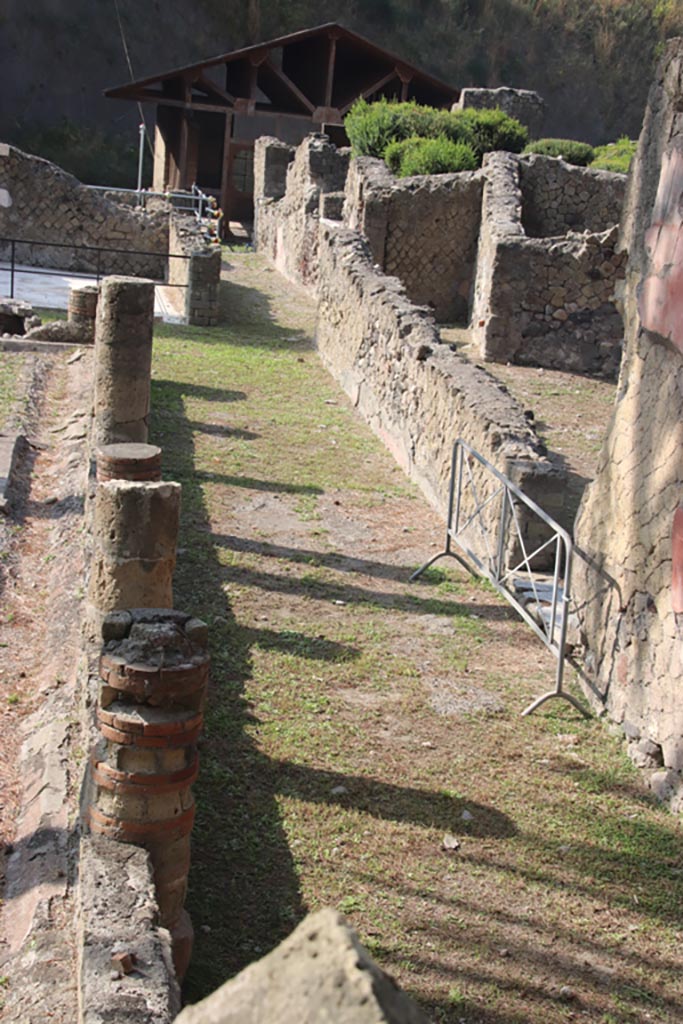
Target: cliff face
[(592, 62)]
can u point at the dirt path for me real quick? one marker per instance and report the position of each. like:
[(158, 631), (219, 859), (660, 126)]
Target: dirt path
[(41, 579), (364, 746)]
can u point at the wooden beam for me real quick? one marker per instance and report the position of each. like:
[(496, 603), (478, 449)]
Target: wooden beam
[(184, 137), (290, 86), (225, 172), (192, 105), (331, 58), (209, 87), (368, 92)]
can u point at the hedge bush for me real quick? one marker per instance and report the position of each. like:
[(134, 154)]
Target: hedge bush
[(429, 156), (615, 156), (372, 127), (572, 152)]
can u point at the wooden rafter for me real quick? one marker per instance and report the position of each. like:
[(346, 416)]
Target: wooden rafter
[(210, 88), (379, 84), (289, 85)]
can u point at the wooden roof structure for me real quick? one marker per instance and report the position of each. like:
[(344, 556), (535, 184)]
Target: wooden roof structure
[(208, 114)]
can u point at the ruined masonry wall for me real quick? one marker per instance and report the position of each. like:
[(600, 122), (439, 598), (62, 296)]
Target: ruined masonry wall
[(40, 200), (287, 230), (558, 197), (524, 104), (541, 301), (627, 590), (199, 274), (416, 394), (423, 230)]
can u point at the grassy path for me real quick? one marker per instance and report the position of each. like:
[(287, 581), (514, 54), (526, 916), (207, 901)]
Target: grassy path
[(355, 720)]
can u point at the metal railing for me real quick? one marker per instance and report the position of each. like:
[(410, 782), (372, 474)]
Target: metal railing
[(13, 266), (485, 528), (195, 202)]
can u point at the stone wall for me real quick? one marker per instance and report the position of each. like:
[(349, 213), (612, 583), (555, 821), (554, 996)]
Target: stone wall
[(629, 574), (558, 198), (423, 230), (541, 301), (286, 228), (196, 269), (44, 202), (416, 393), (524, 104)]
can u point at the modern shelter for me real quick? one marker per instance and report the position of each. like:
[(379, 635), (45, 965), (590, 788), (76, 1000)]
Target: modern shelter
[(209, 114)]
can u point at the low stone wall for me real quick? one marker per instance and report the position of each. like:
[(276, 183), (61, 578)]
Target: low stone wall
[(423, 230), (524, 104), (416, 394), (558, 198), (41, 201), (196, 269), (544, 302)]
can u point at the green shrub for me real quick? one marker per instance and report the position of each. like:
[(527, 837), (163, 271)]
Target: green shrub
[(91, 155), (615, 156), (489, 130), (430, 156), (372, 127), (396, 151), (571, 151)]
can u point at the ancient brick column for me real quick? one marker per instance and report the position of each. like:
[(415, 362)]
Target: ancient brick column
[(154, 670), (83, 308), (123, 359), (134, 545), (138, 462)]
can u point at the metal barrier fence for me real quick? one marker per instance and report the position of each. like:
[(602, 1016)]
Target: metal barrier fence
[(193, 202), (484, 527), (10, 263)]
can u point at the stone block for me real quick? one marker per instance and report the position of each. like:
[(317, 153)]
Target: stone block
[(320, 973)]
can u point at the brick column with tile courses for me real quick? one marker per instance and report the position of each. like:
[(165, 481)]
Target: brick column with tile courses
[(82, 310), (123, 359), (140, 462), (154, 670)]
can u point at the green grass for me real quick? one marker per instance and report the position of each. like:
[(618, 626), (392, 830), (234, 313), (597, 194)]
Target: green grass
[(327, 776), (615, 156), (11, 369)]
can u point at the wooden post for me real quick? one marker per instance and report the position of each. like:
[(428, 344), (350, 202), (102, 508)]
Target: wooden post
[(225, 175)]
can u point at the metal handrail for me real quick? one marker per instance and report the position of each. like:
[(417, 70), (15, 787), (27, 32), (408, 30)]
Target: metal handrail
[(495, 537), (197, 201), (10, 265)]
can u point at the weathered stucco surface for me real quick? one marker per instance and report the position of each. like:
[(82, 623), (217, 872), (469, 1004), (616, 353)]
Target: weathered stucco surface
[(629, 619)]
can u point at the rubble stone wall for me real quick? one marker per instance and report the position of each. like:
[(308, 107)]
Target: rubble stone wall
[(196, 269), (524, 104), (544, 301), (416, 394), (558, 198), (423, 230), (44, 202), (629, 573), (286, 229)]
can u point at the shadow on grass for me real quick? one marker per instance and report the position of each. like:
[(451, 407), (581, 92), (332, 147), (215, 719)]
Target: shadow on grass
[(348, 593), (251, 312), (276, 486), (244, 895)]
